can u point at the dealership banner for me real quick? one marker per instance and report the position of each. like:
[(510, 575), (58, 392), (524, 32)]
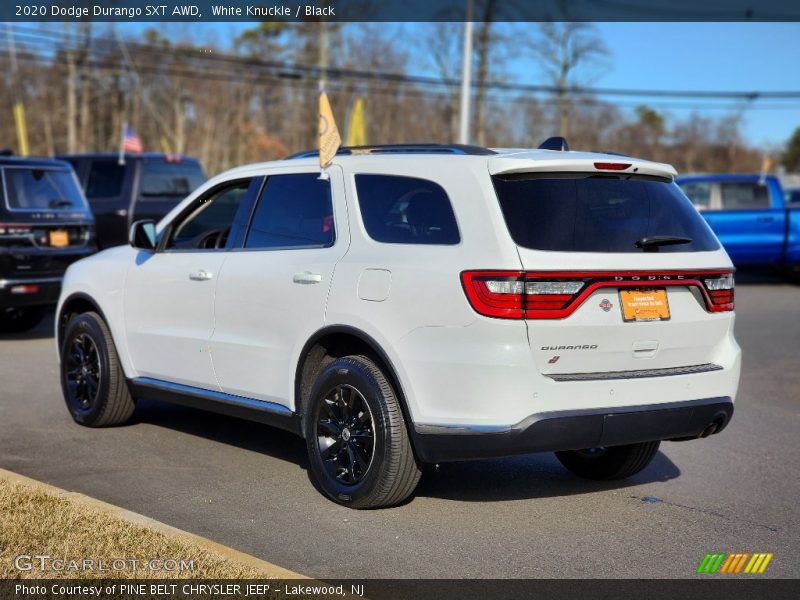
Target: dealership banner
[(399, 10), (400, 589)]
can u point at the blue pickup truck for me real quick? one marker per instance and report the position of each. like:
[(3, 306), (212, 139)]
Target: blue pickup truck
[(750, 217)]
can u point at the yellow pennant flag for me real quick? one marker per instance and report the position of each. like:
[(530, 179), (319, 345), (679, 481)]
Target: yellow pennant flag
[(356, 131), (329, 138)]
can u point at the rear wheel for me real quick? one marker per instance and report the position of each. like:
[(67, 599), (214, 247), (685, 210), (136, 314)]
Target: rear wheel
[(614, 462), (92, 379), (359, 451), (18, 319)]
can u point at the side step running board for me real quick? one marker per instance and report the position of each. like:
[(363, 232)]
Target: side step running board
[(259, 411)]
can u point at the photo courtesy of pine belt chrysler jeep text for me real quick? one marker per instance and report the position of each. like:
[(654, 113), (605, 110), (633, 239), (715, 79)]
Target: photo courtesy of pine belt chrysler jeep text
[(423, 304)]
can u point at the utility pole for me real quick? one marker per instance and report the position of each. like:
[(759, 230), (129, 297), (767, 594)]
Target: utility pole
[(19, 107), (466, 78), (322, 62)]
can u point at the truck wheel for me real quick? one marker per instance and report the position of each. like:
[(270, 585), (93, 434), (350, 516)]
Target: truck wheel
[(615, 462), (18, 319), (358, 446), (92, 380)]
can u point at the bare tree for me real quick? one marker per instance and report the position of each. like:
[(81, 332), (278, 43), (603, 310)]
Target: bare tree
[(567, 52)]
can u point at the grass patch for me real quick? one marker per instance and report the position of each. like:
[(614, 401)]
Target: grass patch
[(39, 522)]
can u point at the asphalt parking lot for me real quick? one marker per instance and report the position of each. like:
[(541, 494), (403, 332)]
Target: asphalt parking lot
[(245, 485)]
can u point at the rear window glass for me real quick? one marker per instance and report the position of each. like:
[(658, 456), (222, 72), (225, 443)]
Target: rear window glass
[(744, 196), (406, 210), (177, 180), (590, 213), (42, 189), (105, 179)]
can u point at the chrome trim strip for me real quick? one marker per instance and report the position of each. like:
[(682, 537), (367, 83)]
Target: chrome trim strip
[(4, 283), (637, 374), (221, 397), (457, 429)]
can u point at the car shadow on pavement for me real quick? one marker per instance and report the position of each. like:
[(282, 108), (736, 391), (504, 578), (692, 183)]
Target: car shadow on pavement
[(232, 431), (526, 477), (42, 331), (514, 478)]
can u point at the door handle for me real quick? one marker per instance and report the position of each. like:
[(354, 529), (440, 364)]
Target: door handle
[(201, 275), (307, 277), (765, 219)]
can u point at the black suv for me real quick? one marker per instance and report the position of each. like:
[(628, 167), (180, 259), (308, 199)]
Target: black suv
[(144, 186), (45, 224)]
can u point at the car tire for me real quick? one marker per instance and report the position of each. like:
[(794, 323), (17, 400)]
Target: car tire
[(359, 450), (92, 380), (19, 319), (614, 462)]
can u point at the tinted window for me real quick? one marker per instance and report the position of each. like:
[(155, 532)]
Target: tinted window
[(793, 196), (162, 178), (598, 213), (294, 210), (105, 179), (743, 196), (37, 189), (406, 210), (208, 225), (699, 192)]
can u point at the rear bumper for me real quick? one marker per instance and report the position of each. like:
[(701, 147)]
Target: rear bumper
[(18, 292), (573, 430)]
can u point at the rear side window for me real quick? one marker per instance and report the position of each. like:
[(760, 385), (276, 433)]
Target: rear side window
[(105, 180), (589, 213), (406, 210), (293, 211), (41, 189), (744, 196), (169, 179)]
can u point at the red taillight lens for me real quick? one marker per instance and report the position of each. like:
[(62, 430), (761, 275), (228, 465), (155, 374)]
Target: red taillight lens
[(720, 290), (495, 293), (517, 295), (551, 295)]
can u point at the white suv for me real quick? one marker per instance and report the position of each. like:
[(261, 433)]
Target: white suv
[(424, 304)]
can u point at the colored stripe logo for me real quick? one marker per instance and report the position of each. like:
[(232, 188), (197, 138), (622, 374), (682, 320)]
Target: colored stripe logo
[(734, 563)]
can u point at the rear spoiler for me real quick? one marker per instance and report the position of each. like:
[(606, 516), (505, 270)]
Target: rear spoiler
[(580, 163)]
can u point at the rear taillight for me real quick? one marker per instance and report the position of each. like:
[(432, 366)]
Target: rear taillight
[(518, 295), (556, 295), (720, 291)]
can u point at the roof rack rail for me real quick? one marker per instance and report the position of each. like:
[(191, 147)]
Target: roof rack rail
[(463, 149), (555, 143)]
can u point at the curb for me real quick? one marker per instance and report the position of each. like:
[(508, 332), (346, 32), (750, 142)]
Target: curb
[(270, 570)]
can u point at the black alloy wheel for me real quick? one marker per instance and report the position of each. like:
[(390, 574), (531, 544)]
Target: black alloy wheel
[(345, 434)]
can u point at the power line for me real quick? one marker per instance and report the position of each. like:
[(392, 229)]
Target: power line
[(344, 73), (394, 88)]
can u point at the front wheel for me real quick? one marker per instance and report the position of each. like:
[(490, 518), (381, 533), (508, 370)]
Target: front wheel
[(92, 379), (359, 451), (615, 462)]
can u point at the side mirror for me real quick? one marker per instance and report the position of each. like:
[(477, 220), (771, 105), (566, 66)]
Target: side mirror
[(143, 235)]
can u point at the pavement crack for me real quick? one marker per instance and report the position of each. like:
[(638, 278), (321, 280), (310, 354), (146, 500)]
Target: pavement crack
[(707, 511)]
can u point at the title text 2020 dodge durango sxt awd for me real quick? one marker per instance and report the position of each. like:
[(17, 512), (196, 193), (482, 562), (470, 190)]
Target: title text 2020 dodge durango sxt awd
[(423, 304)]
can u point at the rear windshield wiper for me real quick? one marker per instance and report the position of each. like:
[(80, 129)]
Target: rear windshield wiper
[(653, 242), (59, 203)]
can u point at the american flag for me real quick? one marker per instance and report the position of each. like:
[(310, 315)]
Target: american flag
[(131, 141)]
